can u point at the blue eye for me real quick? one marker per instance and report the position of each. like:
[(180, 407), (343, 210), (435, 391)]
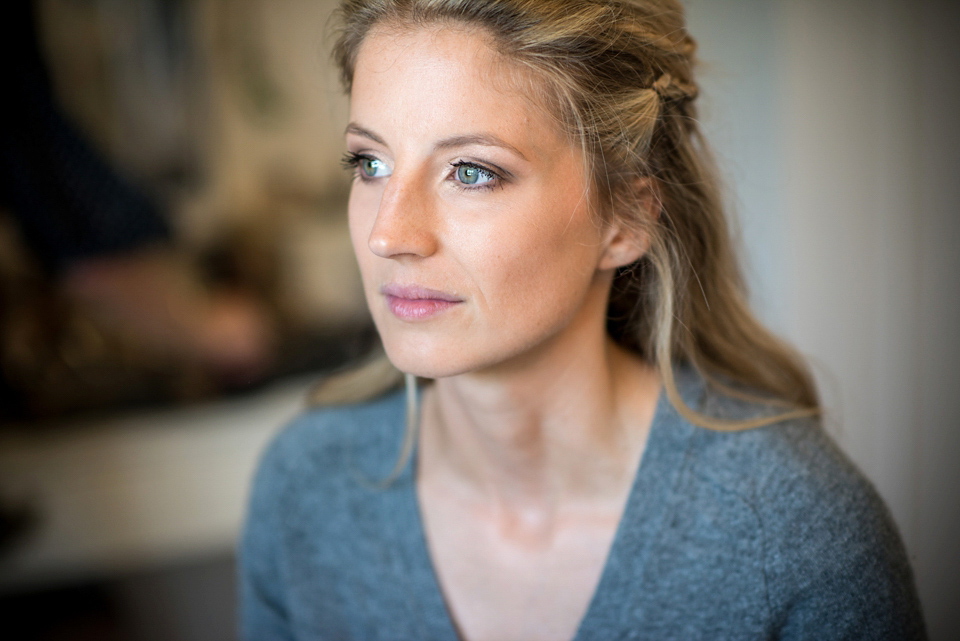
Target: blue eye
[(373, 167), (474, 175)]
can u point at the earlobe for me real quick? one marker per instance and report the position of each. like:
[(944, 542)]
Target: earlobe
[(623, 248), (627, 240)]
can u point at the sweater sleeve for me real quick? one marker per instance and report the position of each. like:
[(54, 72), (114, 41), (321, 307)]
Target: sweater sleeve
[(264, 614), (836, 567), (867, 596)]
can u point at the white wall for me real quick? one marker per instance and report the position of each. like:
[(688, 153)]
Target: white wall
[(835, 123)]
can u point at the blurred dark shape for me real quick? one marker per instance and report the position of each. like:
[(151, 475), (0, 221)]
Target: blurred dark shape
[(99, 307), (74, 614), (190, 601), (107, 248), (82, 347), (17, 520), (68, 202)]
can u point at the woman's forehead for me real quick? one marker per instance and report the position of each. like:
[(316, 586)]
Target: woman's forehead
[(447, 76)]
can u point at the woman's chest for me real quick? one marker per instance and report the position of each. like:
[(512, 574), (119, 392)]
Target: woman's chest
[(513, 580), (689, 570)]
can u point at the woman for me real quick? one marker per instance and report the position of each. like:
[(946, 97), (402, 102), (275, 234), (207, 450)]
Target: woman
[(610, 445)]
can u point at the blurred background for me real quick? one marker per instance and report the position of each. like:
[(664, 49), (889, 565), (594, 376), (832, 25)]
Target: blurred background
[(175, 271)]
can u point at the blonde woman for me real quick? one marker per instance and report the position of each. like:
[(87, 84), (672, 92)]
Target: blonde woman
[(606, 443)]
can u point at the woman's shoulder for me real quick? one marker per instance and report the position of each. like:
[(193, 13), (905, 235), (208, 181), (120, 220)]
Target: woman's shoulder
[(786, 466), (824, 535), (323, 444), (788, 471)]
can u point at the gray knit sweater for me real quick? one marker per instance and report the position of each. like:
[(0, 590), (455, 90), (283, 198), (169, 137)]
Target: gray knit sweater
[(767, 533)]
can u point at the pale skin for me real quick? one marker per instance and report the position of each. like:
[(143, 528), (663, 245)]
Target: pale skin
[(536, 423)]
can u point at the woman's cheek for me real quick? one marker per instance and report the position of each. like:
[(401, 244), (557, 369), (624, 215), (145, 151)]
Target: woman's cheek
[(362, 211)]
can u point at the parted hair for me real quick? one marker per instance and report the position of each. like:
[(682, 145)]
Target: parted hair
[(618, 77)]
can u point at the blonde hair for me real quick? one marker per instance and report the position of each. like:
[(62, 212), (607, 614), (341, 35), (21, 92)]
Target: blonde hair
[(618, 76)]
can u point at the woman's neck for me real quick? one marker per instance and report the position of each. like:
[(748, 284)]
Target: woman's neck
[(565, 428)]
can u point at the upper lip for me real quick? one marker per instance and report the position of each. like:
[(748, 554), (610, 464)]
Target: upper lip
[(415, 292)]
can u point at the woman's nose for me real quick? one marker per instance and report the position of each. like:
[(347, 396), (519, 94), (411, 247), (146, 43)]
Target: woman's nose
[(404, 222)]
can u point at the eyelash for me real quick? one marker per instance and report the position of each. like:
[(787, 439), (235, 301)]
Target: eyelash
[(496, 182), (351, 162)]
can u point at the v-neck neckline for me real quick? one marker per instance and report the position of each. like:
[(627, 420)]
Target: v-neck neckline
[(620, 580)]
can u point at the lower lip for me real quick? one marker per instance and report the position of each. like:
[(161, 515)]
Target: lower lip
[(417, 308)]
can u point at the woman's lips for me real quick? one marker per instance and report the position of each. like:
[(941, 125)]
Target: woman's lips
[(408, 302)]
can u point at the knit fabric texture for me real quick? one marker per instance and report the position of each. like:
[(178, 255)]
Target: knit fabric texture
[(768, 533)]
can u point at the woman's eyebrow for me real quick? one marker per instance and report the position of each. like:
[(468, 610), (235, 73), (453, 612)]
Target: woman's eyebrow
[(357, 130), (462, 140), (488, 140)]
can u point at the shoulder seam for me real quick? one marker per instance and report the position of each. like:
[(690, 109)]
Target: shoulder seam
[(763, 539)]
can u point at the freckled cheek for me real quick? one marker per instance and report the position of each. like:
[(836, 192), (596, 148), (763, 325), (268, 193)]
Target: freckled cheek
[(361, 207), (534, 276)]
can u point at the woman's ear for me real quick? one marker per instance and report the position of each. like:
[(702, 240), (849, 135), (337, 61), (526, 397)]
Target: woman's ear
[(626, 241)]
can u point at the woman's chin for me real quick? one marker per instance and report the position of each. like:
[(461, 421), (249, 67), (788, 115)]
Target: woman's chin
[(436, 360), (423, 363)]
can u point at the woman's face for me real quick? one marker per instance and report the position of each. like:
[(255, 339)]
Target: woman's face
[(468, 213)]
